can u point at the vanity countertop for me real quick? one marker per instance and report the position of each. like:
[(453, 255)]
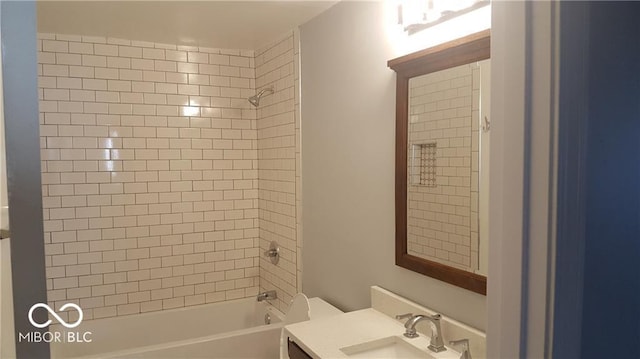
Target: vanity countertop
[(323, 338)]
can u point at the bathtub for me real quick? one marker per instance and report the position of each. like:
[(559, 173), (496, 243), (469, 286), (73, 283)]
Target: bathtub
[(233, 329)]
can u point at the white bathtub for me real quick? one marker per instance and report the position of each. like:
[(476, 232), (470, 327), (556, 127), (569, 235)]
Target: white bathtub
[(234, 329)]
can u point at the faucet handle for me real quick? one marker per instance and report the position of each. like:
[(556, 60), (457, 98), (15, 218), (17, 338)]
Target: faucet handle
[(464, 345), (404, 316)]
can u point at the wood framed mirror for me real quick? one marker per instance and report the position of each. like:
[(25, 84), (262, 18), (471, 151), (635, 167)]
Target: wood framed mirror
[(437, 115)]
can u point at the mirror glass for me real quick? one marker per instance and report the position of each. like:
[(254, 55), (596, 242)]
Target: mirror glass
[(447, 162)]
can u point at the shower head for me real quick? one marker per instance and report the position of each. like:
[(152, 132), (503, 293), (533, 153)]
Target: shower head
[(255, 100)]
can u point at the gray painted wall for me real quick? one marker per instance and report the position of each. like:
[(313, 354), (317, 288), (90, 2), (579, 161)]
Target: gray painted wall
[(23, 168), (348, 156)]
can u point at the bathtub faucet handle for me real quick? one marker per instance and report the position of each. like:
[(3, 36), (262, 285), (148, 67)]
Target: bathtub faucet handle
[(273, 253)]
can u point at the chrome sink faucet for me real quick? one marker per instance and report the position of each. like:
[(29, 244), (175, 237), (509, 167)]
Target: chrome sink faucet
[(437, 344)]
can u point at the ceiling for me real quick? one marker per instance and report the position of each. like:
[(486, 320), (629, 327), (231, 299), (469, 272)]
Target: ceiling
[(219, 24)]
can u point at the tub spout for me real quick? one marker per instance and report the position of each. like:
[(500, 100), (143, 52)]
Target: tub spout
[(268, 295)]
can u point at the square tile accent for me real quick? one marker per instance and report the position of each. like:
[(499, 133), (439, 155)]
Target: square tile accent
[(423, 164)]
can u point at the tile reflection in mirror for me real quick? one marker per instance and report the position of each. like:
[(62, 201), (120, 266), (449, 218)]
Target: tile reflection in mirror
[(444, 162)]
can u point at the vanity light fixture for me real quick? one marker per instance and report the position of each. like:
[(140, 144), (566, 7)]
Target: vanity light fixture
[(417, 15)]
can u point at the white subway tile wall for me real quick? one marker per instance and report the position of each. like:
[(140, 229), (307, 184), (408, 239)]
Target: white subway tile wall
[(162, 185), (443, 219), (297, 93), (278, 174)]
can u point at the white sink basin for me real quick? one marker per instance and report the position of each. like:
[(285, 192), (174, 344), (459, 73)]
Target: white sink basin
[(389, 347)]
